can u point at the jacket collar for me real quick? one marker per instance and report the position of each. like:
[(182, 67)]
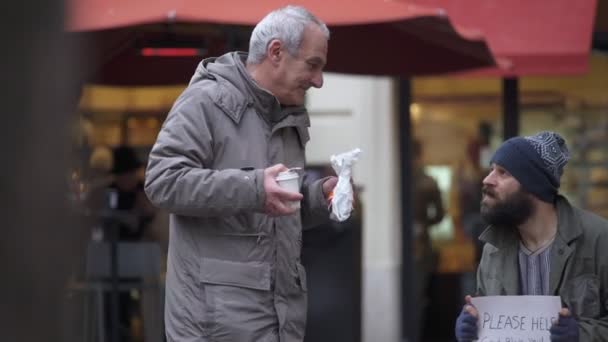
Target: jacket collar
[(262, 100), (569, 228), (235, 97), (500, 237)]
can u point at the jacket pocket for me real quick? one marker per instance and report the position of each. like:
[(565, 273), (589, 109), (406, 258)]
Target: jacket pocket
[(252, 274), (581, 295), (239, 302)]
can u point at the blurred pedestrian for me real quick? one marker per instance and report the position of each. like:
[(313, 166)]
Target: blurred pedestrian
[(428, 211), (127, 194)]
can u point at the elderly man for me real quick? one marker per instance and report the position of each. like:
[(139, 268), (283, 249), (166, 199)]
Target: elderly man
[(539, 244), (234, 271)]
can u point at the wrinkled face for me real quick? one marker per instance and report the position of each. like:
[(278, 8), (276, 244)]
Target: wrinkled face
[(296, 74), (504, 201)]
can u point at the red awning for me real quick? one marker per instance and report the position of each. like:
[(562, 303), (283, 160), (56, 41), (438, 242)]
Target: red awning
[(368, 36), (539, 37)]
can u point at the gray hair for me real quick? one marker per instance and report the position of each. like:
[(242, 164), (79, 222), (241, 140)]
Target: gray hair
[(286, 24)]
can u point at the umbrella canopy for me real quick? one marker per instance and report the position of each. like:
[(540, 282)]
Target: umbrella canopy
[(541, 37), (370, 37)]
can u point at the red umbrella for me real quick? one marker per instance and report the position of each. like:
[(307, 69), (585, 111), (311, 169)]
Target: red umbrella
[(368, 36), (541, 37)]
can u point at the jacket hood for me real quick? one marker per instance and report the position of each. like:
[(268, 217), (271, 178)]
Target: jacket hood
[(214, 67), (229, 70)]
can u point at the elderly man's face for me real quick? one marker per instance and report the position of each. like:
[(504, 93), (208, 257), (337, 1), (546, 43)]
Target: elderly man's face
[(504, 201), (298, 73)]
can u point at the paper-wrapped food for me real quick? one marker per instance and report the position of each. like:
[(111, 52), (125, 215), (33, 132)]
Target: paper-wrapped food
[(342, 199)]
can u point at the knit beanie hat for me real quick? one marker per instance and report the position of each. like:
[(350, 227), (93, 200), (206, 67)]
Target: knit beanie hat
[(536, 161)]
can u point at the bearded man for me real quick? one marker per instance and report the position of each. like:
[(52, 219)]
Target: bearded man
[(537, 243)]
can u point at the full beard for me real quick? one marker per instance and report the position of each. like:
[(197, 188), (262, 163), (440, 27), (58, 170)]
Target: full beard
[(510, 212)]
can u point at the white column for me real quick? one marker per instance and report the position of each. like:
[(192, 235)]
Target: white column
[(356, 111)]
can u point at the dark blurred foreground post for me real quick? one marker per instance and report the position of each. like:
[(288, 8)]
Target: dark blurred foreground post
[(38, 242)]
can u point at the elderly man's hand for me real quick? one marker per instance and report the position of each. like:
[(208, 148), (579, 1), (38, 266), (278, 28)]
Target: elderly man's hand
[(329, 185), (276, 202)]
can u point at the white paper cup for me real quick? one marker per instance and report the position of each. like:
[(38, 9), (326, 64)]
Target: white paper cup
[(290, 181)]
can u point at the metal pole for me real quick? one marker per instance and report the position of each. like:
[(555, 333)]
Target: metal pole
[(510, 107)]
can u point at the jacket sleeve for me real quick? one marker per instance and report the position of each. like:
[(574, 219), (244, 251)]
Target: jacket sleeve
[(596, 330), (593, 330), (315, 207), (179, 177)]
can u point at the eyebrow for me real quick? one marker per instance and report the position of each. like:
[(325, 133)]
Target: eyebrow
[(317, 60)]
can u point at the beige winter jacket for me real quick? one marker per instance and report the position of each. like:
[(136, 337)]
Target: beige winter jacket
[(234, 273)]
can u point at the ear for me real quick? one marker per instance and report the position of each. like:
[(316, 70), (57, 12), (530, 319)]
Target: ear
[(274, 51)]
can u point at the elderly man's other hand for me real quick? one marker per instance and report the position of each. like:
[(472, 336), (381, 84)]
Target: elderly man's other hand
[(276, 202), (329, 185)]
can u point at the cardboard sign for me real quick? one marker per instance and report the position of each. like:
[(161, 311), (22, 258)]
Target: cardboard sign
[(516, 318)]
